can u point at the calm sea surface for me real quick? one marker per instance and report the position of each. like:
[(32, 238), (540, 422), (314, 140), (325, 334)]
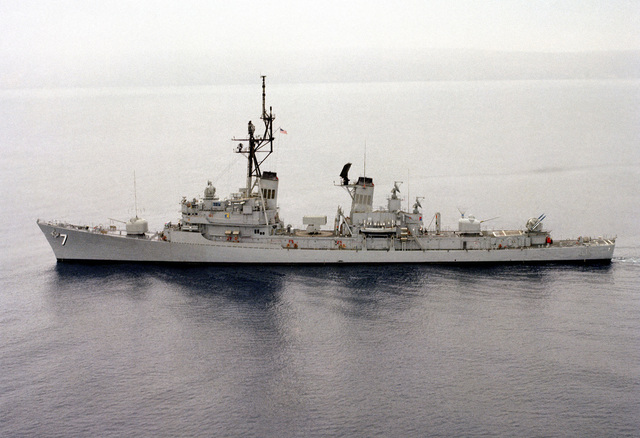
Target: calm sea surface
[(128, 350)]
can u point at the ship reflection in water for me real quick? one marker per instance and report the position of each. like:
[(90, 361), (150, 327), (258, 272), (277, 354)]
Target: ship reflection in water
[(308, 349)]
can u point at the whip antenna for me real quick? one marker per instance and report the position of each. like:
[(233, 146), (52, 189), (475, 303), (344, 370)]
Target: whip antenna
[(135, 194)]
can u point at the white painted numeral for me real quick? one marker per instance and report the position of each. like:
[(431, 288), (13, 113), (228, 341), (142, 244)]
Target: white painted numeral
[(55, 234)]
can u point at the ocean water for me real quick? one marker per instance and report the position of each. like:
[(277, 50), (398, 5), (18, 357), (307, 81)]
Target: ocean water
[(113, 350)]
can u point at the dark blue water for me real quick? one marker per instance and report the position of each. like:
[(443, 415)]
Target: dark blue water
[(407, 351), (139, 350)]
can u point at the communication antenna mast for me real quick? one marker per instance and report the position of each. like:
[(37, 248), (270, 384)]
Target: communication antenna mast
[(257, 143), (408, 187), (364, 170), (135, 194), (264, 96)]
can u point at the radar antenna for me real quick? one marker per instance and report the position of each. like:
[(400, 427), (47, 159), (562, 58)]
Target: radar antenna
[(344, 175), (395, 190), (417, 205)]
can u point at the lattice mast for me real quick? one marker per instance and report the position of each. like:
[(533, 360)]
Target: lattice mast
[(257, 144)]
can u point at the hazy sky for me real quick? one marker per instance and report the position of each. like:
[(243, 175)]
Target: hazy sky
[(107, 27), (80, 42)]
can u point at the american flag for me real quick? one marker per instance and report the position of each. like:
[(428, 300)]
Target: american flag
[(282, 131)]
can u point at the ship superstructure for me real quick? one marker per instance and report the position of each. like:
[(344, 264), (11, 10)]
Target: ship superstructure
[(245, 227)]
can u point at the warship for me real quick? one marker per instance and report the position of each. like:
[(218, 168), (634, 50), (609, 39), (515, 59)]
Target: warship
[(245, 228)]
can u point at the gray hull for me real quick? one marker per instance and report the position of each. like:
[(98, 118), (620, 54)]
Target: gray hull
[(72, 244)]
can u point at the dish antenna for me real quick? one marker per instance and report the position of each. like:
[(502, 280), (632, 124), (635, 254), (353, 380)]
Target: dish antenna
[(395, 190), (417, 205)]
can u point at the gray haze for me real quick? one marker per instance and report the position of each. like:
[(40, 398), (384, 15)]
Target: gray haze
[(109, 43)]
